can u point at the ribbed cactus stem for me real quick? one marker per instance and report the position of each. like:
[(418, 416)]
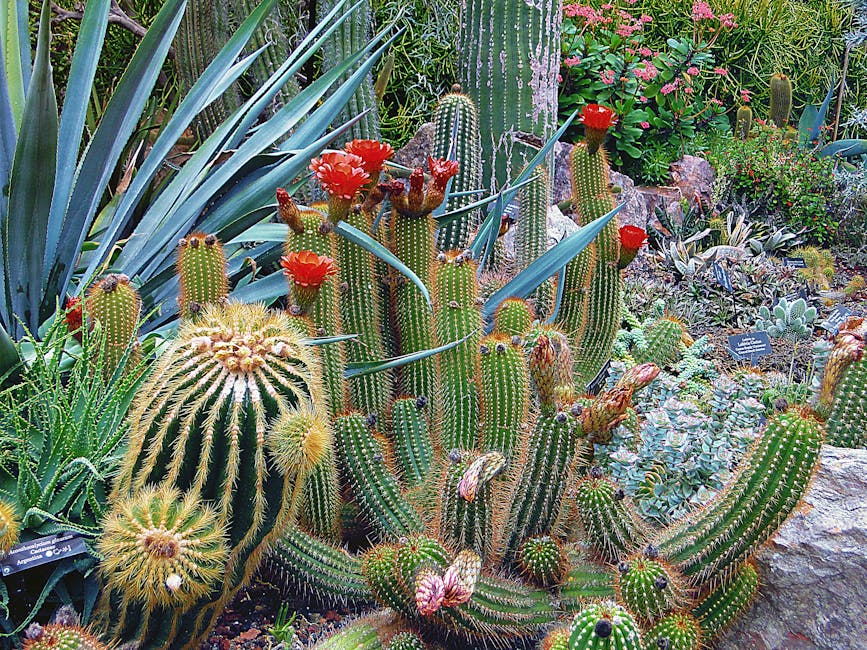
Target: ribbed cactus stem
[(202, 273), (207, 421), (60, 637), (412, 442), (677, 631), (505, 393), (456, 115), (406, 641), (585, 579), (350, 37), (513, 81), (772, 478), (467, 508), (313, 566), (781, 100), (591, 306), (514, 317), (115, 306), (604, 626), (359, 308), (363, 458), (362, 634), (543, 464), (843, 392), (648, 586), (457, 316), (412, 240), (531, 236), (724, 604), (609, 519), (665, 340), (743, 122), (542, 560)]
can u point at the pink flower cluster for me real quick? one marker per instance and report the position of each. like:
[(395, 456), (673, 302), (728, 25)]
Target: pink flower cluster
[(591, 16), (648, 72), (701, 11)]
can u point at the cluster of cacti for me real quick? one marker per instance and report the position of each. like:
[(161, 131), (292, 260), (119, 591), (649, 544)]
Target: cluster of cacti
[(791, 320), (664, 342)]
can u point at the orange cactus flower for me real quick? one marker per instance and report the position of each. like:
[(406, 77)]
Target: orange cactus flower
[(597, 119), (442, 170), (307, 271), (342, 175), (373, 154), (73, 317)]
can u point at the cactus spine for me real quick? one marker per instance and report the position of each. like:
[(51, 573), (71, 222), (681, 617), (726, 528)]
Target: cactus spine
[(843, 393), (457, 316), (505, 393), (591, 306), (456, 114), (604, 626), (610, 521), (664, 343), (412, 442), (648, 587), (116, 307), (781, 100), (513, 81), (531, 236), (10, 527), (204, 423), (542, 560), (723, 605), (678, 631), (743, 122), (772, 478), (202, 273), (60, 637), (514, 317)]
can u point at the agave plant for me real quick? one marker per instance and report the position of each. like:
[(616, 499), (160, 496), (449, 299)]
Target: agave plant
[(57, 177)]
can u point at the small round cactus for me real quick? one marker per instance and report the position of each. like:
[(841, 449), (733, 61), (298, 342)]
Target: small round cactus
[(604, 626), (405, 641), (60, 637), (677, 631), (299, 439), (556, 640), (10, 527), (162, 549), (542, 560), (649, 587)]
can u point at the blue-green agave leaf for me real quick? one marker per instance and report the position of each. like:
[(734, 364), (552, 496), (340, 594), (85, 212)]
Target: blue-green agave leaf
[(359, 368), (844, 148)]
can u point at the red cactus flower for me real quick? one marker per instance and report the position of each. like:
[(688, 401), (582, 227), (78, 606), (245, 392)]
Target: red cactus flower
[(597, 119), (341, 174), (442, 170), (373, 154), (73, 317), (307, 271), (632, 238)]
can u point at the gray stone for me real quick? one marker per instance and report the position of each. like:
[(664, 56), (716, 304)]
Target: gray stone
[(814, 570), (558, 225), (634, 213), (415, 152), (694, 177)]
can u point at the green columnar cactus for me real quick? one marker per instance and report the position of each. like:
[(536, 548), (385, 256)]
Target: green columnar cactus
[(513, 81), (543, 466), (604, 626), (10, 527), (466, 518), (849, 411), (585, 580), (531, 236), (743, 122), (768, 486), (781, 100), (608, 518), (723, 605), (218, 404), (542, 560), (360, 635), (411, 441), (412, 240), (359, 307), (505, 392), (116, 307), (378, 565), (456, 316), (202, 273), (514, 317), (317, 567), (591, 307), (677, 631), (456, 114), (350, 37), (363, 458), (648, 586), (664, 342), (60, 637)]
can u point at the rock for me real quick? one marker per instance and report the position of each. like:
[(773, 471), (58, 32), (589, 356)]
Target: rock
[(415, 152), (694, 178), (558, 225), (635, 213), (814, 570)]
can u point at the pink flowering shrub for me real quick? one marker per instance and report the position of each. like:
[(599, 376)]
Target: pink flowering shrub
[(661, 97)]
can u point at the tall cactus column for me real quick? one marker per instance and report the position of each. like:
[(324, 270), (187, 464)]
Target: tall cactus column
[(510, 54)]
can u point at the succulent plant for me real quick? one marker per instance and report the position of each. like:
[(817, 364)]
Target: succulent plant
[(56, 636), (793, 320)]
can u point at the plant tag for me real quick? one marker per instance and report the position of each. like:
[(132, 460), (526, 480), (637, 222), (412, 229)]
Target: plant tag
[(722, 277), (43, 550), (836, 318), (795, 262), (599, 380), (752, 346)]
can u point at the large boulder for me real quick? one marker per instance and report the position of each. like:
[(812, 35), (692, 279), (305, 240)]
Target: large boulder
[(814, 570), (415, 152), (694, 178)]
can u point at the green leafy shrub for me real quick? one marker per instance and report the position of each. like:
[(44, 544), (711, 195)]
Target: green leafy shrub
[(789, 185)]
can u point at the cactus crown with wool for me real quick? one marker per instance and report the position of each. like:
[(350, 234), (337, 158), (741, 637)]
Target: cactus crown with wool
[(10, 527)]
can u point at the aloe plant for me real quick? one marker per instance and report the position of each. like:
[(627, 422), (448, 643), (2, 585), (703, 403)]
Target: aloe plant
[(56, 193)]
